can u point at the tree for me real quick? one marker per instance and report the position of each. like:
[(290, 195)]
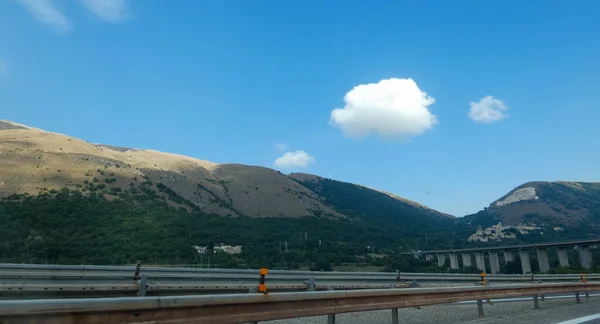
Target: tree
[(321, 264)]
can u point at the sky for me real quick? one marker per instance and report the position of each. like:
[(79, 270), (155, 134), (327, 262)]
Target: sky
[(448, 103)]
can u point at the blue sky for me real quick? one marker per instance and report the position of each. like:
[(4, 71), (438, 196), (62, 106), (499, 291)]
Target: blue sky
[(232, 81)]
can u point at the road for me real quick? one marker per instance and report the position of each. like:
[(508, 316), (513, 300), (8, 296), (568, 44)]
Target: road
[(592, 319), (552, 311)]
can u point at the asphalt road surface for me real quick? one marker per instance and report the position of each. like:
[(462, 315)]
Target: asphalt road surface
[(552, 311)]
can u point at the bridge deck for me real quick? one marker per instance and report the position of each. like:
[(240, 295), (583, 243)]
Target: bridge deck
[(513, 247)]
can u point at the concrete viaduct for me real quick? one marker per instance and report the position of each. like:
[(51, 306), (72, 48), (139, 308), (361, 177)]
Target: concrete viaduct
[(583, 247)]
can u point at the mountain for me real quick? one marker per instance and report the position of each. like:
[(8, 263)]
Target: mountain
[(560, 209), (68, 200), (34, 160)]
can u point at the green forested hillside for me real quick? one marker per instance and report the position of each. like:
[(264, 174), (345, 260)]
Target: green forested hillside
[(114, 226), (110, 225), (406, 225)]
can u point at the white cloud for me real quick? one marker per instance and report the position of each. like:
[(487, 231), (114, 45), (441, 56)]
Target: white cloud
[(392, 108), (45, 11), (281, 147), (292, 160), (487, 110), (108, 10)]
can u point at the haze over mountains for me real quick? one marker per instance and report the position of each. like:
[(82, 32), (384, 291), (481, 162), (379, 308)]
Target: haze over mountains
[(34, 161)]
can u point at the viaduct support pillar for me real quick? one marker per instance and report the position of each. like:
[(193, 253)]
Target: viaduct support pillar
[(466, 259), (542, 255), (494, 262), (428, 257), (585, 257), (525, 262), (441, 259), (453, 260), (509, 256), (480, 261), (563, 258)]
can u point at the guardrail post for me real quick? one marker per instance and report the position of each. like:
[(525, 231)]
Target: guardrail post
[(395, 316), (138, 268), (484, 283), (584, 280), (480, 307), (413, 283), (312, 286), (536, 304), (143, 286), (331, 319), (577, 299)]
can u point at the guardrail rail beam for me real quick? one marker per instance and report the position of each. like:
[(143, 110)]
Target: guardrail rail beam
[(244, 308)]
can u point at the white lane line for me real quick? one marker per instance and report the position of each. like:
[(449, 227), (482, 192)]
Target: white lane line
[(581, 319), (524, 299)]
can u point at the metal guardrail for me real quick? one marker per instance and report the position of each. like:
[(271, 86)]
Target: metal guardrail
[(34, 281), (241, 308)]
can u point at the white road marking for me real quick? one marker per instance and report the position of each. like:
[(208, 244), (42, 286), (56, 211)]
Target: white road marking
[(525, 298), (581, 319)]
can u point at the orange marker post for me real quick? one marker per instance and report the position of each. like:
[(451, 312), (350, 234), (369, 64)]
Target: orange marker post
[(483, 282), (262, 287)]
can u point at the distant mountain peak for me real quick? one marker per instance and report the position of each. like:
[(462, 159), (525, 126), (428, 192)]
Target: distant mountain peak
[(549, 204), (9, 125), (116, 148), (518, 195)]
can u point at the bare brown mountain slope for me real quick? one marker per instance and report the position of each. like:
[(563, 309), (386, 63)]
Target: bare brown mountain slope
[(32, 160)]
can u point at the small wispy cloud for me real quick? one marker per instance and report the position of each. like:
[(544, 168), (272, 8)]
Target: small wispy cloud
[(487, 110), (281, 147), (107, 10), (46, 12), (294, 160)]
